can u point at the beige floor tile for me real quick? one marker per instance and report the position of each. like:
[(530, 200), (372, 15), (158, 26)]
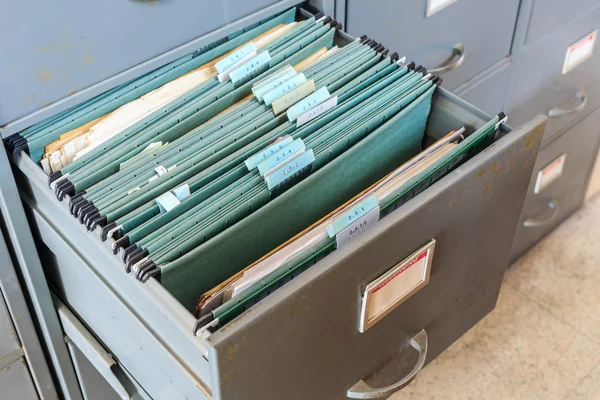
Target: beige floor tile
[(562, 273), (519, 351), (588, 389)]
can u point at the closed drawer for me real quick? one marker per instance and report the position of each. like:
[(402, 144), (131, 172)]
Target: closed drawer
[(553, 200), (16, 382), (100, 376), (70, 45), (484, 27), (549, 15), (488, 91), (540, 86)]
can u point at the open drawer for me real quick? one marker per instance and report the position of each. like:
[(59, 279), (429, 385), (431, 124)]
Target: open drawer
[(303, 341)]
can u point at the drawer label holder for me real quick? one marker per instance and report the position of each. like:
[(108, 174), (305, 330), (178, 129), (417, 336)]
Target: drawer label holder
[(579, 51), (395, 286), (550, 173)]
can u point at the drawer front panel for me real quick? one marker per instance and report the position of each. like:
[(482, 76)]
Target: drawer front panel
[(488, 94), (305, 336), (93, 385), (594, 184), (484, 27), (549, 15), (16, 382), (8, 336), (69, 45), (541, 87), (564, 195)]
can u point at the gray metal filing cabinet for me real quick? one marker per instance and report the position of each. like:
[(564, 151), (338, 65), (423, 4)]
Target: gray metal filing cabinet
[(107, 335), (543, 82)]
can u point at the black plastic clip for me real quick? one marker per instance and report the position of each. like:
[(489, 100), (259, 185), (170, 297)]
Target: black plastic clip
[(120, 243), (53, 177), (203, 321), (129, 251), (106, 229), (75, 200)]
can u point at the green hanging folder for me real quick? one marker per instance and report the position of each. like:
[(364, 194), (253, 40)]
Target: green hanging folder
[(474, 143), (392, 143), (150, 82)]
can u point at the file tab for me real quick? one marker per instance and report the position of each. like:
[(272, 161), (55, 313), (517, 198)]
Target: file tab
[(295, 147), (284, 88), (257, 158), (225, 63), (291, 98), (290, 169), (250, 69), (316, 111), (352, 215), (308, 103)]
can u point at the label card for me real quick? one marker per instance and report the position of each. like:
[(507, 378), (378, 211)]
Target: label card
[(359, 226), (434, 6), (580, 51), (352, 215), (226, 62), (308, 103), (315, 112), (224, 76), (250, 69), (289, 169), (253, 161), (395, 286), (280, 156), (284, 88), (272, 81), (291, 98), (169, 200), (160, 170), (166, 202), (549, 173)]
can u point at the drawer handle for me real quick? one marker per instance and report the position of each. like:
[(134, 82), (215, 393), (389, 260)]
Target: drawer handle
[(455, 61), (534, 223), (558, 112), (90, 348), (363, 391)]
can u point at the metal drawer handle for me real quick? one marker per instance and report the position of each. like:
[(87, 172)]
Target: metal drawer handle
[(363, 391), (558, 112), (90, 348), (455, 61), (534, 223)]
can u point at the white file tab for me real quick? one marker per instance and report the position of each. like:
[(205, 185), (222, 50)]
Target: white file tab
[(391, 289)]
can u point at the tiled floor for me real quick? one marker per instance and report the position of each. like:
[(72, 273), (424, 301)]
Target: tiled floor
[(543, 339)]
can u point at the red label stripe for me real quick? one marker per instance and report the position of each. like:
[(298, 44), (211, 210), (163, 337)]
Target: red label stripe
[(410, 264)]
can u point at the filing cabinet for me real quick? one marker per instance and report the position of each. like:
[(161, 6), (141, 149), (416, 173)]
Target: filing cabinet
[(558, 186), (152, 336), (304, 336)]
